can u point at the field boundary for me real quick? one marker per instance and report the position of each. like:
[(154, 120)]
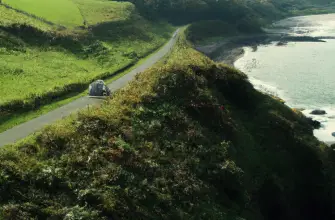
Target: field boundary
[(81, 13), (32, 16)]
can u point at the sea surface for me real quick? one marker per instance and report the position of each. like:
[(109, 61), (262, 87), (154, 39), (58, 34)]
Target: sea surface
[(300, 72)]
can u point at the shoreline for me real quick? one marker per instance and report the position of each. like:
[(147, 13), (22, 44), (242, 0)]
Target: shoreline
[(231, 53), (228, 51)]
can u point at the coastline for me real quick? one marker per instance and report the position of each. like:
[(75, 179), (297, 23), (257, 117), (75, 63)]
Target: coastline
[(228, 51), (231, 53)]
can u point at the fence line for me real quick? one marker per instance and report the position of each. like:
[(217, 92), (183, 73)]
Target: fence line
[(81, 13), (31, 15)]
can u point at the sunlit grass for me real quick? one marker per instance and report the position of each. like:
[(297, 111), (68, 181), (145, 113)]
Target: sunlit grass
[(35, 72), (10, 17), (62, 12), (99, 11)]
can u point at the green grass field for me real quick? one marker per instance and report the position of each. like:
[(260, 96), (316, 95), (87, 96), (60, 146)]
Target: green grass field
[(37, 59), (63, 12), (99, 11), (39, 71), (73, 13), (10, 17)]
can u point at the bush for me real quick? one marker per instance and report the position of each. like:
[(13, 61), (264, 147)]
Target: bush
[(204, 29)]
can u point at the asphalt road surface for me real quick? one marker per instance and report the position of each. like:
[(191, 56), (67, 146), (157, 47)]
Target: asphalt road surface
[(27, 128)]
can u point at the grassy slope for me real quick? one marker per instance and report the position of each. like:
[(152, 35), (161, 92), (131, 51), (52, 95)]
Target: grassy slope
[(10, 120), (63, 12), (10, 17), (95, 12), (151, 153), (42, 62)]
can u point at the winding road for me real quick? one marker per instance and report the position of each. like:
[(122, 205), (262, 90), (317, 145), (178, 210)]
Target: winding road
[(29, 127)]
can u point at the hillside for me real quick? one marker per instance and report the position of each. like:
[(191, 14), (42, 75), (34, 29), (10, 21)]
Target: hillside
[(189, 139), (43, 58)]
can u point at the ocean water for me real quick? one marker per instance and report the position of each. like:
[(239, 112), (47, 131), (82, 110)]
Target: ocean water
[(301, 73)]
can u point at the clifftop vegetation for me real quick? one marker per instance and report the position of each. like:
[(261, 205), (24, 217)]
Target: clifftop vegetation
[(188, 139)]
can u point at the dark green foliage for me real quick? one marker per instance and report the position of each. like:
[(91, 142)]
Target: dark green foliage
[(247, 16), (181, 11), (205, 29)]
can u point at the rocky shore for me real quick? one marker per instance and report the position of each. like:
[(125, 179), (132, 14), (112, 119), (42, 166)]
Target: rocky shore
[(228, 50), (228, 56)]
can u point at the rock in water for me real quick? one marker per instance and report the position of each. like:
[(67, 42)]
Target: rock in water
[(281, 43), (98, 88), (318, 112), (333, 134), (314, 123)]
